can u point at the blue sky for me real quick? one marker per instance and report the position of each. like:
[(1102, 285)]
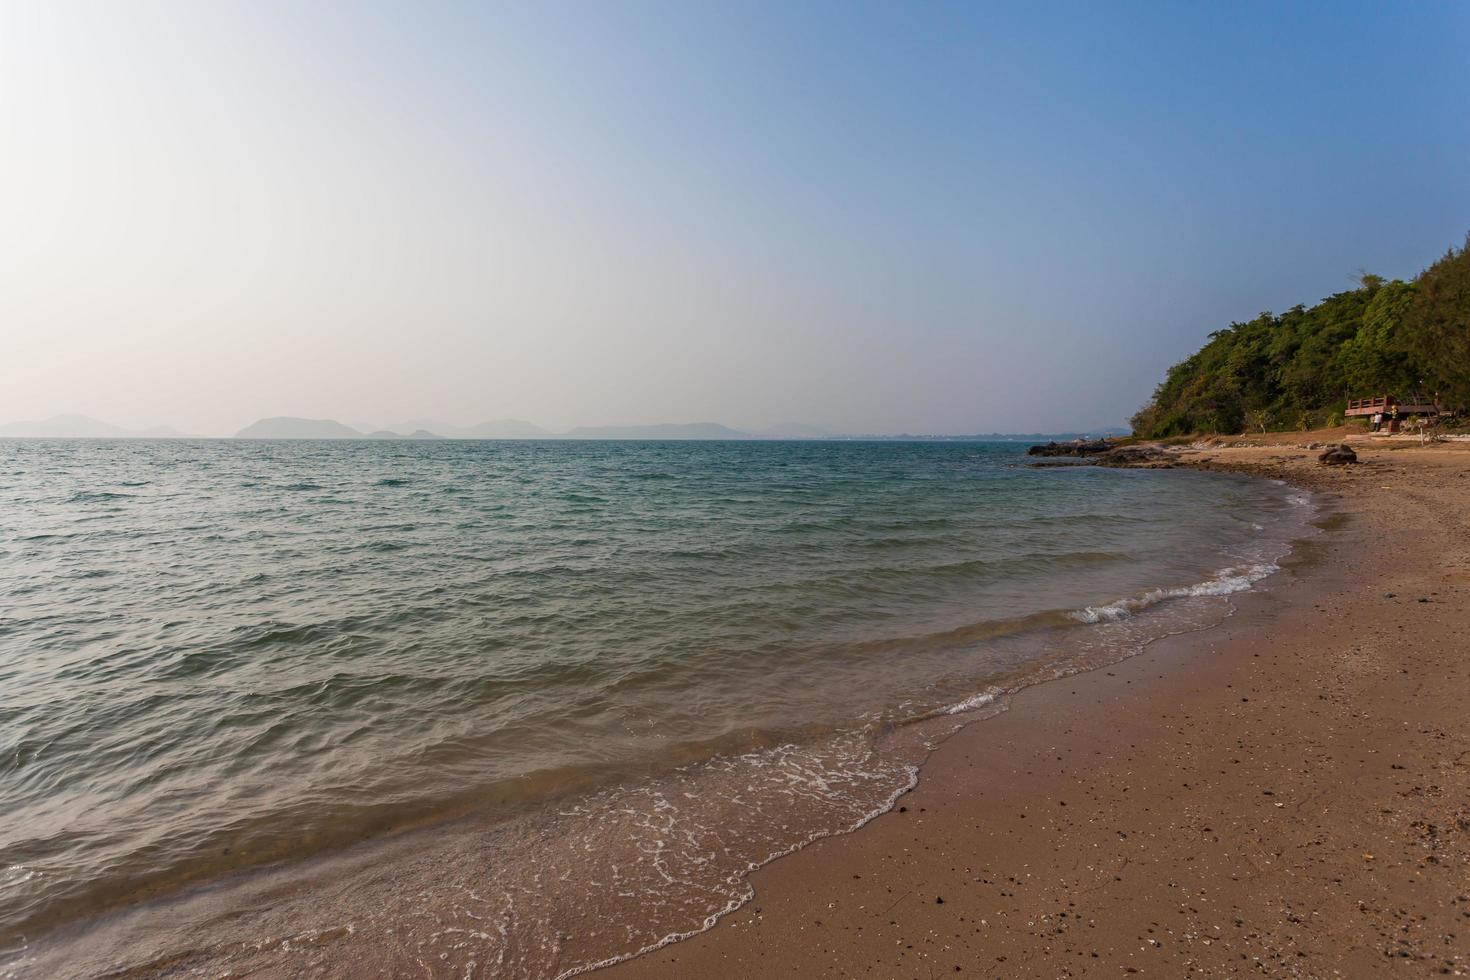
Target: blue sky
[(868, 217)]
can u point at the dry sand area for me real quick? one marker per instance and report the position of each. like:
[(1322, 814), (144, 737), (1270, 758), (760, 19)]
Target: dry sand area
[(1286, 795)]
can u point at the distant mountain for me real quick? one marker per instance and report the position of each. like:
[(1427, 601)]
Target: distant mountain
[(688, 430), (82, 427), (286, 427), (442, 429)]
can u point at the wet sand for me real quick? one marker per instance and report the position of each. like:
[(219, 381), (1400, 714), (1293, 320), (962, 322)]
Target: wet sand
[(1288, 794)]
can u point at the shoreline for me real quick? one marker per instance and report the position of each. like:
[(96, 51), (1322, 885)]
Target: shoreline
[(1190, 796), (249, 891), (1018, 729)]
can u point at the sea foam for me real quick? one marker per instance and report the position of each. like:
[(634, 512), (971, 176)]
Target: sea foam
[(1227, 581)]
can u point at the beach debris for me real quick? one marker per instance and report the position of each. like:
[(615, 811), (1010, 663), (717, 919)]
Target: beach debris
[(1337, 455)]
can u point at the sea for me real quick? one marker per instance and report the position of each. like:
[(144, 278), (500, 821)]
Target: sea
[(521, 708)]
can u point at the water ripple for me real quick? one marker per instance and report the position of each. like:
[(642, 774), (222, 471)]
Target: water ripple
[(216, 654)]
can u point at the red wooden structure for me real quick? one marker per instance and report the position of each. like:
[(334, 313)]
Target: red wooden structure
[(1391, 405)]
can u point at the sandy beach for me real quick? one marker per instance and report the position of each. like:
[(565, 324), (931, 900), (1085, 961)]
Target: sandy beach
[(1288, 794)]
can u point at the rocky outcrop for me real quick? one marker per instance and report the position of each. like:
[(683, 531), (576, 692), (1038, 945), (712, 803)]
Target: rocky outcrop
[(1136, 457), (1118, 457), (1339, 455), (1077, 447)]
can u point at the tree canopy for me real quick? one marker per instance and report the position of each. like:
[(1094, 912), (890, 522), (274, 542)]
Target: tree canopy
[(1297, 369)]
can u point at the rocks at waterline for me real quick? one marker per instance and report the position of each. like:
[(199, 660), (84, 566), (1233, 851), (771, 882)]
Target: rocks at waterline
[(1103, 454), (1136, 457), (1077, 447)]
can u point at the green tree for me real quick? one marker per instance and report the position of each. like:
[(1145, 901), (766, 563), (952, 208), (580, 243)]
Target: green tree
[(1437, 327), (1377, 359), (1384, 337)]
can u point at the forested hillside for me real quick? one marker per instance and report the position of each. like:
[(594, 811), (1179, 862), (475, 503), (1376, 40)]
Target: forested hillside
[(1297, 369)]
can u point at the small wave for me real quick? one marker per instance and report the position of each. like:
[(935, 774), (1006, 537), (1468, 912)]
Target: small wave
[(972, 567), (393, 481), (915, 542), (812, 782), (279, 633), (96, 496), (1227, 581), (970, 703)]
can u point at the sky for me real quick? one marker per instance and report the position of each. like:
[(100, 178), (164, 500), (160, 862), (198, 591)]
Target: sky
[(883, 218)]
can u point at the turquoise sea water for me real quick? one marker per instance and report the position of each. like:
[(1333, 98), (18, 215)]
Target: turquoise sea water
[(218, 655)]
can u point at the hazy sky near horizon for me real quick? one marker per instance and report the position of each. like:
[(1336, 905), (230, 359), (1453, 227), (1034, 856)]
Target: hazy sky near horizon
[(867, 217)]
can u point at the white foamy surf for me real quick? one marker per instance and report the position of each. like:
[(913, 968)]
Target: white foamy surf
[(1227, 581)]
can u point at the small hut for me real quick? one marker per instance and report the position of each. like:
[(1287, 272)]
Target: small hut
[(1388, 412)]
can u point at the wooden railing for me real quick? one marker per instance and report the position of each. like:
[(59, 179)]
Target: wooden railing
[(1369, 406), (1416, 404)]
